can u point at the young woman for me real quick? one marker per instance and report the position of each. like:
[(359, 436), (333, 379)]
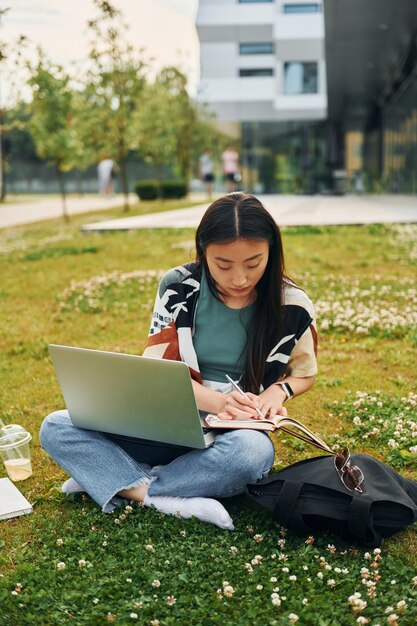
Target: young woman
[(231, 312)]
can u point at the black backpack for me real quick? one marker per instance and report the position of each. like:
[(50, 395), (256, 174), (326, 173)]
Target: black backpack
[(309, 497)]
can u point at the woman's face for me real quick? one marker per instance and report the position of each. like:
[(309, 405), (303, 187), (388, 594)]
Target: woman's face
[(237, 267)]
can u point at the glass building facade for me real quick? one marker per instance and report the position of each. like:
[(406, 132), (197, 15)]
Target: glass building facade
[(391, 142)]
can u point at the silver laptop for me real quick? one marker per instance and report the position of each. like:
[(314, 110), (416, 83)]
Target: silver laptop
[(130, 395)]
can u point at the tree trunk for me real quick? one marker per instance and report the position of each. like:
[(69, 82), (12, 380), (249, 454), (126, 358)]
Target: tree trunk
[(61, 183), (2, 164), (3, 191), (124, 181)]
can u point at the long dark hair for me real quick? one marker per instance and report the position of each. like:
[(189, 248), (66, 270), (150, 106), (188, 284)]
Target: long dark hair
[(242, 216)]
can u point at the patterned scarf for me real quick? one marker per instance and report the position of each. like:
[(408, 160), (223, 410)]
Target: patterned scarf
[(171, 331)]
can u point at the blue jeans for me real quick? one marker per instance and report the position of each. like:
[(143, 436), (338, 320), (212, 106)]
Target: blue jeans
[(103, 467)]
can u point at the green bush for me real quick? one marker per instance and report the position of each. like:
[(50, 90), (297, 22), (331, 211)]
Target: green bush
[(147, 189), (153, 189), (173, 189)]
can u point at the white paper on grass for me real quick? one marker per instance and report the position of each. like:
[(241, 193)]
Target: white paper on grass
[(12, 502)]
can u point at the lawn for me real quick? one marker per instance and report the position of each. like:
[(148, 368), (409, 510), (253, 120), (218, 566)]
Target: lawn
[(67, 563)]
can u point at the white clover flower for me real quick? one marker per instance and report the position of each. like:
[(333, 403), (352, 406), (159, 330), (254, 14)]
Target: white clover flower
[(59, 542), (285, 570), (273, 579), (259, 587), (149, 547), (275, 599), (357, 420), (401, 605), (257, 559), (293, 618), (82, 563), (171, 600), (362, 620), (393, 443), (389, 609), (133, 616), (156, 583), (304, 601), (233, 550), (61, 565), (356, 603), (293, 578), (392, 619), (320, 575), (228, 591), (129, 580), (96, 600)]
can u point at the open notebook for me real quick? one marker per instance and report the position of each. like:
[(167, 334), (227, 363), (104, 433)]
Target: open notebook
[(286, 424), (12, 502)]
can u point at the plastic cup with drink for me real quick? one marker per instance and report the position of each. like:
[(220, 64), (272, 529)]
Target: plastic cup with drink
[(15, 451)]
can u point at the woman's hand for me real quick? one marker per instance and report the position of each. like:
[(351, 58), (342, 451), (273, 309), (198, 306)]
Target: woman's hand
[(236, 406), (271, 400)]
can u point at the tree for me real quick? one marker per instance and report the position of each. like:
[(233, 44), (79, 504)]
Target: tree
[(111, 92), (155, 128), (51, 123), (183, 115), (10, 54), (170, 128)]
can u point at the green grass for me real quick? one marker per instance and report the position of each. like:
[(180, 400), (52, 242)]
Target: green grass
[(50, 292)]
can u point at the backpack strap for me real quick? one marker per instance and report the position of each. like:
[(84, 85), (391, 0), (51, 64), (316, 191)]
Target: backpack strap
[(360, 517), (285, 507)]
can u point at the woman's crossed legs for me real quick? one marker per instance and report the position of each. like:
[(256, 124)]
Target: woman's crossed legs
[(108, 474)]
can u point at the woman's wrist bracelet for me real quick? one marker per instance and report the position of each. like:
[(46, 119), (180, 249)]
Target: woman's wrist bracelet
[(286, 387)]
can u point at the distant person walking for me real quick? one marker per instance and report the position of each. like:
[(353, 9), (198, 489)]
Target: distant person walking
[(230, 158), (206, 171), (104, 172)]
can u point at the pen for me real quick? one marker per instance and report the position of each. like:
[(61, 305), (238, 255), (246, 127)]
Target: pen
[(236, 386)]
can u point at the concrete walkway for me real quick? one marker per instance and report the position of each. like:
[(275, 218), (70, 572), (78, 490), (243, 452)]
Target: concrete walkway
[(37, 209), (288, 211)]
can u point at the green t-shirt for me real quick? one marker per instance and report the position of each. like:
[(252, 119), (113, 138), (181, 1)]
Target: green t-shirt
[(219, 336)]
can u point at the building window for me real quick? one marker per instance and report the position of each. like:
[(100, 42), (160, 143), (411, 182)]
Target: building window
[(300, 78), (256, 48), (302, 8), (263, 71)]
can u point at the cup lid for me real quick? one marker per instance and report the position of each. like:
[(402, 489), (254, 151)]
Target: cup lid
[(13, 435)]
